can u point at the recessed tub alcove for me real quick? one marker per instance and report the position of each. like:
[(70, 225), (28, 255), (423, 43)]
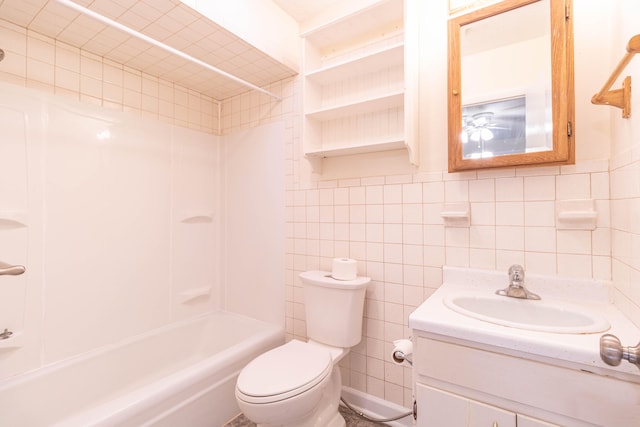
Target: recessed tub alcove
[(180, 375), (134, 307)]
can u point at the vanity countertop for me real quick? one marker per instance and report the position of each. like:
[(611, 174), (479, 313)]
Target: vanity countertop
[(575, 350)]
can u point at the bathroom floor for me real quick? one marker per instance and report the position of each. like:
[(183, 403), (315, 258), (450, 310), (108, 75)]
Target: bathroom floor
[(353, 420)]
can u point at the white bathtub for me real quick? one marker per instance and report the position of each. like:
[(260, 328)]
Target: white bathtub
[(182, 375)]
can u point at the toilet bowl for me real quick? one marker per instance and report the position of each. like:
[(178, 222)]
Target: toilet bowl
[(286, 385), (299, 384)]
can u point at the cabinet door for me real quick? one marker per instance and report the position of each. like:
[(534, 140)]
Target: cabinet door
[(524, 421), (481, 415), (437, 408)]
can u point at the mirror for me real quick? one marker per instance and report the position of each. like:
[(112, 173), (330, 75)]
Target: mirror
[(511, 95)]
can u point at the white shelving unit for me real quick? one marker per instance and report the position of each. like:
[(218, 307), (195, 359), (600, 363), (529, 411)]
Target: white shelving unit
[(355, 85)]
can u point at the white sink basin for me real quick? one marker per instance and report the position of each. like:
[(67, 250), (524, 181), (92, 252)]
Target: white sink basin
[(557, 317)]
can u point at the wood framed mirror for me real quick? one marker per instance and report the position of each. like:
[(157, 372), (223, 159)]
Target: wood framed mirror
[(511, 85)]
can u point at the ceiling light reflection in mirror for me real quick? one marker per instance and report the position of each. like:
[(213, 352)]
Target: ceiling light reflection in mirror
[(506, 83)]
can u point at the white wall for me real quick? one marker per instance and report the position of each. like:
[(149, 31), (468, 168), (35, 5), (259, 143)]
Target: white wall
[(253, 222), (382, 211), (625, 167)]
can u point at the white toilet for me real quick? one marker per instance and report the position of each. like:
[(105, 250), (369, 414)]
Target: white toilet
[(298, 384)]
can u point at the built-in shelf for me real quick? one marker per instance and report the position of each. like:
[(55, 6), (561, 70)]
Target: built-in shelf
[(191, 295), (354, 83), (579, 214), (360, 64), (456, 214), (368, 21), (13, 219), (361, 106), (355, 148), (196, 218), (14, 342)]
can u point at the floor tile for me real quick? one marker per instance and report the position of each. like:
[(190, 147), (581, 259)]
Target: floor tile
[(352, 419)]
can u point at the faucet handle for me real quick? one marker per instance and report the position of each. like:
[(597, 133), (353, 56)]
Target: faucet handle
[(516, 273), (516, 288)]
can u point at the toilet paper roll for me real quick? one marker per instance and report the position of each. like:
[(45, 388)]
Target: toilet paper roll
[(344, 269), (402, 351)]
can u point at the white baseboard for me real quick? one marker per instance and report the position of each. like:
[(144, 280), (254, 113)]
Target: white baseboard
[(375, 407)]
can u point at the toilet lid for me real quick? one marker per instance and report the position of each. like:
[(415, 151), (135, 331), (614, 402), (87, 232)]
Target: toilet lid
[(283, 372)]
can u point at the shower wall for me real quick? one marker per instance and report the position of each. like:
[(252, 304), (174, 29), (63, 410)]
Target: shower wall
[(114, 217), (253, 228), (111, 183)]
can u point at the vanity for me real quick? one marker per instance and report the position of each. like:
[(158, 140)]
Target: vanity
[(482, 359)]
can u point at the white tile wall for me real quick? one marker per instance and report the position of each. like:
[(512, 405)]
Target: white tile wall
[(397, 234), (36, 61), (624, 239), (392, 225)]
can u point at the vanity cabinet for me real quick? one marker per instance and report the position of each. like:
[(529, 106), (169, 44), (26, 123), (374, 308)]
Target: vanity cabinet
[(355, 86), (466, 384), (524, 421), (440, 408)]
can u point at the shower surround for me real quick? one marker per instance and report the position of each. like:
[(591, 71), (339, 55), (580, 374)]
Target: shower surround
[(125, 227)]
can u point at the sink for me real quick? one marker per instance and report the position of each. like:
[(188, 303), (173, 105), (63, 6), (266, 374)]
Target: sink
[(545, 316)]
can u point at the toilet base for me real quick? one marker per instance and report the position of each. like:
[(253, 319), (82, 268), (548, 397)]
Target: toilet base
[(337, 421), (326, 414), (325, 419)]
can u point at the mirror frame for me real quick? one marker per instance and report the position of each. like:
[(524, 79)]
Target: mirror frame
[(562, 87)]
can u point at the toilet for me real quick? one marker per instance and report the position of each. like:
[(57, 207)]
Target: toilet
[(299, 384)]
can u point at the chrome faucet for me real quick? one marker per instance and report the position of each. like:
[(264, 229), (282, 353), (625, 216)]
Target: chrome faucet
[(516, 288)]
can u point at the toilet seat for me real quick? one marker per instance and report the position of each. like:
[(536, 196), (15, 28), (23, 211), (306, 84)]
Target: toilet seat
[(283, 372)]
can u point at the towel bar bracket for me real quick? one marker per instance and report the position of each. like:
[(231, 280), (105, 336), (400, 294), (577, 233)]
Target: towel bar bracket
[(620, 98)]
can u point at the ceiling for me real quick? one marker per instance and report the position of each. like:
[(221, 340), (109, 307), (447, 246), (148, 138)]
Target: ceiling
[(167, 21), (304, 10)]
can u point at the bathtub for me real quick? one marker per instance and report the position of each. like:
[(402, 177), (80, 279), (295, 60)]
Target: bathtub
[(180, 375)]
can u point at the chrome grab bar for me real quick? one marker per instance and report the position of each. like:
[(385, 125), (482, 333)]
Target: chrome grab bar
[(11, 270), (612, 352)]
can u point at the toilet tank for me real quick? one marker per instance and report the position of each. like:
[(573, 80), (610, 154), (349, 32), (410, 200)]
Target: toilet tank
[(334, 308)]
